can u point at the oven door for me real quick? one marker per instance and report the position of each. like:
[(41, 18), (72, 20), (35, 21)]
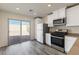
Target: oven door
[(57, 41)]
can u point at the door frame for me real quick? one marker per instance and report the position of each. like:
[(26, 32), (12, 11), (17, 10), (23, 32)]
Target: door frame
[(20, 27)]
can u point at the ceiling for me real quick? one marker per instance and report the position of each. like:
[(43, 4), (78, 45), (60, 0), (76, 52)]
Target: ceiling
[(38, 9)]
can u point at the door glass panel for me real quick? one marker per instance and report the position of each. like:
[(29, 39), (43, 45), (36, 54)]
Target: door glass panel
[(25, 27), (14, 28)]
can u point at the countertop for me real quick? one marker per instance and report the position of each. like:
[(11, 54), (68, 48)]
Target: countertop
[(75, 49), (70, 34), (73, 35)]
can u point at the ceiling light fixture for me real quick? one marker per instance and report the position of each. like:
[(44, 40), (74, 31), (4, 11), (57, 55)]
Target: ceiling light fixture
[(17, 8), (49, 5), (30, 10)]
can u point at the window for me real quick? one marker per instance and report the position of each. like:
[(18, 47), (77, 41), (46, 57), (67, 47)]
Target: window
[(17, 28)]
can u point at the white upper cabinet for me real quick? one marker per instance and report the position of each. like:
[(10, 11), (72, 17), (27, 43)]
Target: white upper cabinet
[(73, 16), (60, 13), (50, 20), (55, 15)]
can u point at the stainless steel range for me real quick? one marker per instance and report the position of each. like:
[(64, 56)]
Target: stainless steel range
[(57, 39)]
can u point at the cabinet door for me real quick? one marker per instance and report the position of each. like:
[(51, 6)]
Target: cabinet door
[(61, 13), (50, 20), (55, 15), (69, 42), (73, 16), (48, 39)]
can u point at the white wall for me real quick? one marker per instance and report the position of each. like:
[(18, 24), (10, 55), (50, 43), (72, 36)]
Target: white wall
[(45, 20), (4, 16)]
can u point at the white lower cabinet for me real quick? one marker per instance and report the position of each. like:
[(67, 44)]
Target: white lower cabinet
[(69, 42), (48, 39)]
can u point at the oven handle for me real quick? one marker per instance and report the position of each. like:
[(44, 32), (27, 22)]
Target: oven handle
[(57, 37)]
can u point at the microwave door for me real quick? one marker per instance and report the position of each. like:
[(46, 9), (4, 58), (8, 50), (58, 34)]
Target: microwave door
[(59, 22)]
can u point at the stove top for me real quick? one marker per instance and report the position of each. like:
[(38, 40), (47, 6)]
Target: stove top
[(59, 34)]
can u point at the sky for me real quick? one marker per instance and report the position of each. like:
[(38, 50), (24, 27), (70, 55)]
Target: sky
[(18, 22)]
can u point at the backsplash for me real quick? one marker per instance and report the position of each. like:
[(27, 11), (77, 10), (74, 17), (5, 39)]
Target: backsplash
[(71, 29)]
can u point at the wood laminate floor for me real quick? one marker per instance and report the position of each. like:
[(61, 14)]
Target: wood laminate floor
[(29, 48)]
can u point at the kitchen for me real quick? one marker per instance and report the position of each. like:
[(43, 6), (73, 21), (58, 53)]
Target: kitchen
[(39, 28), (63, 29)]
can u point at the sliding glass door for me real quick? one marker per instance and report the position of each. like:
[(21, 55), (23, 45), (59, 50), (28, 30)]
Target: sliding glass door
[(19, 31), (25, 28), (14, 28), (25, 31)]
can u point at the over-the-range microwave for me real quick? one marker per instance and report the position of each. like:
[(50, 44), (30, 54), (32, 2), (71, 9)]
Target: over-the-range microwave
[(58, 22)]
